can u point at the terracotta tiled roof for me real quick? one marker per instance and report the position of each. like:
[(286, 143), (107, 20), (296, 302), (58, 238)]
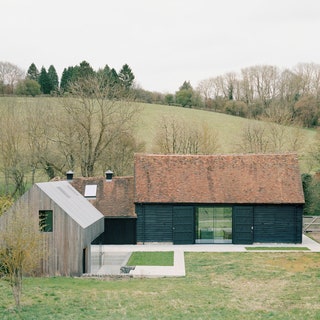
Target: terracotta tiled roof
[(232, 179), (114, 199)]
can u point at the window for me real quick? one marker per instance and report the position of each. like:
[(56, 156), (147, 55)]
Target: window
[(214, 224), (46, 220)]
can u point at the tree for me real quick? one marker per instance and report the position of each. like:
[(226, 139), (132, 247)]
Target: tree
[(66, 78), (97, 120), (33, 72), (306, 111), (169, 99), (185, 94), (28, 87), (13, 150), (44, 81), (254, 139), (84, 71), (175, 136), (10, 74), (5, 203), (53, 78), (21, 247), (126, 77)]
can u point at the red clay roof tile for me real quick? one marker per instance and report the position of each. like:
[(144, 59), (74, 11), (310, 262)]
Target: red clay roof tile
[(114, 199), (243, 179)]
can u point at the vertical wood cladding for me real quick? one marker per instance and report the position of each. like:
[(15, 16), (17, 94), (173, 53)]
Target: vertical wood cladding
[(278, 223)]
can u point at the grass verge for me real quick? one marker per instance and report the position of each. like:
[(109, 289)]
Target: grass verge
[(277, 248), (151, 259)]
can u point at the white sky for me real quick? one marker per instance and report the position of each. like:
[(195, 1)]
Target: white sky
[(165, 42)]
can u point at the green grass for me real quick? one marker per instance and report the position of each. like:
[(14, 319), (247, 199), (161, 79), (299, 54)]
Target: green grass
[(250, 285), (151, 259), (278, 248)]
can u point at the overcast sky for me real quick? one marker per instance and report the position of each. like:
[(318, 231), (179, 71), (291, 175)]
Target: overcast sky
[(165, 42)]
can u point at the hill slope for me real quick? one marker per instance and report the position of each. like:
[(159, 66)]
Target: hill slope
[(229, 128)]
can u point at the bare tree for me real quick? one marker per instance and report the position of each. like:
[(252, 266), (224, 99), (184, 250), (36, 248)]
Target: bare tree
[(10, 74), (254, 139), (13, 150), (97, 119), (176, 136), (21, 247), (263, 137)]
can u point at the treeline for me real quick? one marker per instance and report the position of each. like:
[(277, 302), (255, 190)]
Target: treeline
[(14, 81), (289, 96), (286, 96)]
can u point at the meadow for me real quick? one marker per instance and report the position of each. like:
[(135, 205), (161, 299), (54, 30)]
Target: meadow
[(217, 286)]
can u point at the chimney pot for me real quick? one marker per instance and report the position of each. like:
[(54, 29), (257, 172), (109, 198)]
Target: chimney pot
[(70, 175), (109, 175)]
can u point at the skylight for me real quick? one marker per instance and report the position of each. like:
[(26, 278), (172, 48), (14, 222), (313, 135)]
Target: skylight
[(90, 191)]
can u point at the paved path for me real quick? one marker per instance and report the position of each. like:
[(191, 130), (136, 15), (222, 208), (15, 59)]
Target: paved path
[(113, 257)]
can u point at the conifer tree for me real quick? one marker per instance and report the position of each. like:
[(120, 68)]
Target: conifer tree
[(44, 81), (53, 77), (33, 72)]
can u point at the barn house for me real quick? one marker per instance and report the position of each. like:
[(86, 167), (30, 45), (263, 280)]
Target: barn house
[(179, 199), (239, 199), (69, 224)]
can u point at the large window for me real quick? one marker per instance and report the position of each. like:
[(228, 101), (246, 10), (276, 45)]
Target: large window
[(213, 225), (46, 220)]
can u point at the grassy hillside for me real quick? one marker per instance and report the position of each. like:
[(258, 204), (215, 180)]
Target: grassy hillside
[(229, 128)]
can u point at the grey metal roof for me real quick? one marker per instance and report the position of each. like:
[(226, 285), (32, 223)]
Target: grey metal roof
[(72, 202)]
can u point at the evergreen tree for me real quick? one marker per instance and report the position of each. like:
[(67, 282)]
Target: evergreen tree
[(68, 75), (185, 94), (85, 70), (126, 77), (44, 81), (53, 77), (33, 72)]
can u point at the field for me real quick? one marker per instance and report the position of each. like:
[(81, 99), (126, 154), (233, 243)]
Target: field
[(217, 286), (228, 127)]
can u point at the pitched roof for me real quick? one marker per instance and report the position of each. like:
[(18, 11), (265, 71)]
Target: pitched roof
[(242, 179), (71, 201), (113, 198)]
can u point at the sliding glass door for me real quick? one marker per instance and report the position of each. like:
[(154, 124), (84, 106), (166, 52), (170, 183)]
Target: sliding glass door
[(213, 225)]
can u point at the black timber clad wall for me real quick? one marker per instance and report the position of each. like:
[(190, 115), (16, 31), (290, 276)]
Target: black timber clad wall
[(272, 223), (278, 223), (242, 223), (183, 225), (154, 223), (118, 231)]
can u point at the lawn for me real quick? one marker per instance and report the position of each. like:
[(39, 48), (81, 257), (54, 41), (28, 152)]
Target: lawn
[(246, 285), (164, 258), (277, 248)]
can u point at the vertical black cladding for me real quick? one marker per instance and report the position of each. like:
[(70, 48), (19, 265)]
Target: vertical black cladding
[(165, 223), (118, 231), (277, 223), (242, 225), (158, 223), (183, 225)]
